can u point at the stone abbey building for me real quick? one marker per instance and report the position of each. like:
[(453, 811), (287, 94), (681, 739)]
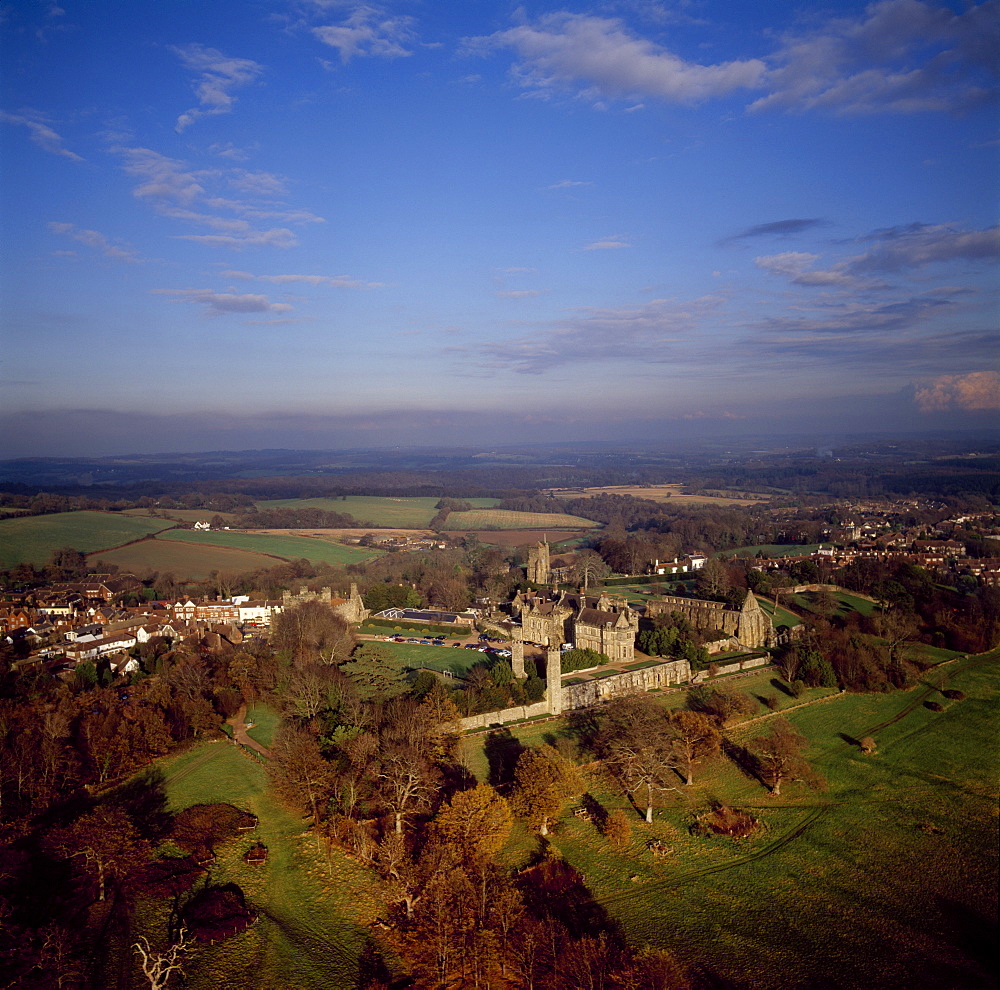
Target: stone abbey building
[(603, 623), (749, 625)]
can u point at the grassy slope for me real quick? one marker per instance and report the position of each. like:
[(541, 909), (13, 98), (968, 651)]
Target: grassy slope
[(889, 874), (773, 550), (186, 561), (31, 539), (287, 547), (313, 919)]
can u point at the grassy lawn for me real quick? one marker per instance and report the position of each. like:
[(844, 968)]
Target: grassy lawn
[(265, 723), (780, 616), (846, 603), (314, 915), (286, 547), (886, 879), (378, 510), (444, 658), (31, 539)]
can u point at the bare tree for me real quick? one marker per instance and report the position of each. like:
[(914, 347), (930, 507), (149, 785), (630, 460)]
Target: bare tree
[(159, 967)]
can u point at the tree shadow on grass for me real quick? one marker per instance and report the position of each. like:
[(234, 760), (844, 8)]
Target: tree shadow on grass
[(850, 740), (744, 760), (502, 749)]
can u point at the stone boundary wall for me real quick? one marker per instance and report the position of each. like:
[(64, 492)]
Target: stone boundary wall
[(518, 714), (623, 685), (731, 668)]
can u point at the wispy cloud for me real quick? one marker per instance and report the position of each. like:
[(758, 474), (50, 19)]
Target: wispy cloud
[(96, 240), (608, 244), (39, 132), (225, 303), (176, 191), (368, 31), (519, 293), (918, 244), (600, 335), (216, 76), (332, 281), (569, 184), (777, 228), (898, 56)]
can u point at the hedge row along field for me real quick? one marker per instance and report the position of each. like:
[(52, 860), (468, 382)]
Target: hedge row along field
[(31, 539)]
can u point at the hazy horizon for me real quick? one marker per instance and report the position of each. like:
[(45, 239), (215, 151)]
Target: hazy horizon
[(313, 224)]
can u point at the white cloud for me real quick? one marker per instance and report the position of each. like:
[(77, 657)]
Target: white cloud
[(519, 293), (600, 58), (333, 281), (96, 240), (40, 133), (608, 244), (568, 184), (922, 244), (977, 391), (224, 303), (217, 75), (368, 31)]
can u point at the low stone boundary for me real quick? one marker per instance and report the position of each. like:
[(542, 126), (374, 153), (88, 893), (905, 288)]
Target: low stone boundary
[(731, 668), (517, 714)]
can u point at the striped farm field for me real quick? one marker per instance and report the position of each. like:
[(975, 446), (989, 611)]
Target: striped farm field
[(379, 510), (285, 547), (186, 561), (31, 539), (508, 519)]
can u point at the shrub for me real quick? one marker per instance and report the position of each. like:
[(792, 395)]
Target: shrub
[(618, 829), (771, 700), (953, 695), (868, 745), (934, 706)]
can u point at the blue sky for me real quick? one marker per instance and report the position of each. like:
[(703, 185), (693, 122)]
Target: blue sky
[(317, 223)]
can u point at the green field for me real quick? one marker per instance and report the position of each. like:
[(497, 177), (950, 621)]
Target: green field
[(846, 603), (486, 519), (184, 515), (886, 880), (443, 658), (377, 510), (780, 616), (314, 915), (286, 547), (31, 539)]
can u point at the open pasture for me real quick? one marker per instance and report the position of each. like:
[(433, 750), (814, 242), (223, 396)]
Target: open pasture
[(285, 547), (379, 510), (31, 539), (487, 519), (773, 550), (673, 494), (888, 873), (314, 913), (846, 603), (186, 561)]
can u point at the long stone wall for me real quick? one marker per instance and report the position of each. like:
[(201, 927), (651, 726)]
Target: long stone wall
[(625, 684), (732, 668), (518, 714)]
